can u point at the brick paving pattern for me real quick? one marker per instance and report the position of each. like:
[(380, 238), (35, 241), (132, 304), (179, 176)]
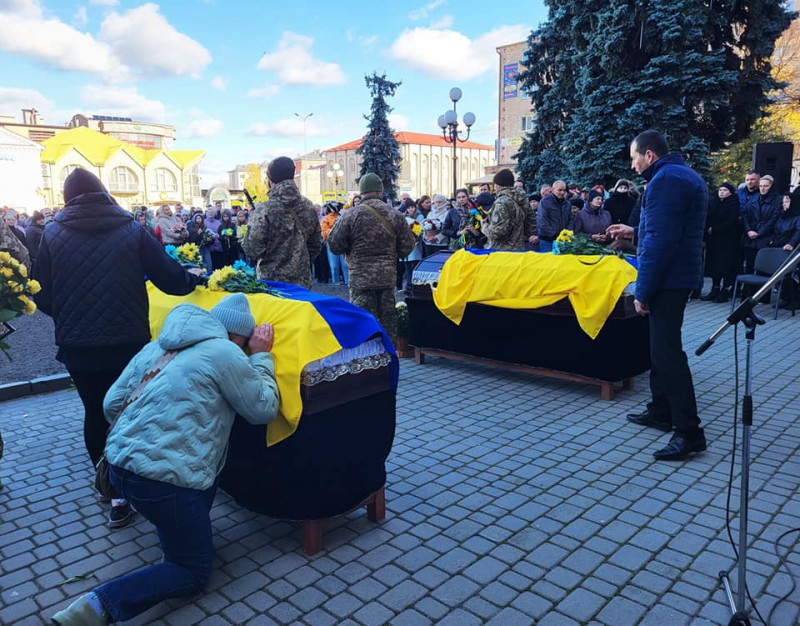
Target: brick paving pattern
[(511, 500)]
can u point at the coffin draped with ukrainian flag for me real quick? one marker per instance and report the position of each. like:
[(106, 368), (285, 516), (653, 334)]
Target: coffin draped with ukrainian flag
[(337, 373)]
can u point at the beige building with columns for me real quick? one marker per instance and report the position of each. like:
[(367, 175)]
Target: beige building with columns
[(515, 117), (426, 167)]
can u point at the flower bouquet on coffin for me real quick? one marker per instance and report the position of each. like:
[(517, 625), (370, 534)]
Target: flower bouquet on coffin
[(241, 278), (16, 289), (568, 242), (188, 255)]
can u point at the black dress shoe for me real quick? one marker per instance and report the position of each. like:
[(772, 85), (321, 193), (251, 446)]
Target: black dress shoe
[(680, 448), (645, 418)]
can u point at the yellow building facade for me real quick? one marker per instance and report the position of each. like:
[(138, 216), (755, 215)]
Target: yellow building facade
[(134, 176)]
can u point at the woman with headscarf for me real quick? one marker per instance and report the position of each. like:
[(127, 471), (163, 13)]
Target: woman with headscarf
[(432, 225), (202, 237), (170, 229), (227, 238), (787, 235), (787, 228), (620, 203), (723, 229)]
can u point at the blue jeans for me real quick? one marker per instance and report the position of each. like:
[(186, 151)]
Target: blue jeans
[(182, 520), (337, 261), (545, 246)]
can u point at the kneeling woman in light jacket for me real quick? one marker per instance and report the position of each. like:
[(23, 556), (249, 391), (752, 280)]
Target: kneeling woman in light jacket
[(167, 448)]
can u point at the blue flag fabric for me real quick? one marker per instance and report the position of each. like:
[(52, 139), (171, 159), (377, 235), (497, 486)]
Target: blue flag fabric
[(350, 324)]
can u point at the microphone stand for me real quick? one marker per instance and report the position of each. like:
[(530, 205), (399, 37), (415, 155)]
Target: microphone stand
[(745, 313)]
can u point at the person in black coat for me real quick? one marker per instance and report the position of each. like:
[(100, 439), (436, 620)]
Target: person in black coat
[(91, 265), (33, 234), (759, 217), (786, 233), (722, 234), (621, 201), (787, 236)]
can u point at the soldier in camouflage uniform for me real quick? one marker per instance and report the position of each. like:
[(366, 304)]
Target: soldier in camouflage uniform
[(373, 236), (11, 244), (284, 234), (511, 221)]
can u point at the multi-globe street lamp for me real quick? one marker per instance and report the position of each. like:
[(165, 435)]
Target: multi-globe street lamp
[(335, 175), (449, 125)]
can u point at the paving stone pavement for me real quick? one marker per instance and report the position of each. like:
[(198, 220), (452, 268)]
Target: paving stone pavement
[(511, 499)]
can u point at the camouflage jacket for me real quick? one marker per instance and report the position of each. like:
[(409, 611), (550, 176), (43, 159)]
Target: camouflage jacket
[(11, 244), (510, 223), (284, 236), (372, 251)]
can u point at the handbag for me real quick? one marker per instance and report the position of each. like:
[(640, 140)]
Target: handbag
[(102, 482)]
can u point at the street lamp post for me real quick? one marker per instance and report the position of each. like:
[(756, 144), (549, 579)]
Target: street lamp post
[(304, 118), (449, 125), (334, 176)]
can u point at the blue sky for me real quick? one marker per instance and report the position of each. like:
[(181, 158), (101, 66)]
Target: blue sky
[(230, 74)]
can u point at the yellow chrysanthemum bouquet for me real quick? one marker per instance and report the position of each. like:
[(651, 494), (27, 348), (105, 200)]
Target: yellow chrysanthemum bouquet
[(16, 289), (568, 242), (188, 255), (239, 277)]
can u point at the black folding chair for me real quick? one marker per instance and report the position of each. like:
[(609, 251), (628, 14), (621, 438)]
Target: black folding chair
[(767, 262)]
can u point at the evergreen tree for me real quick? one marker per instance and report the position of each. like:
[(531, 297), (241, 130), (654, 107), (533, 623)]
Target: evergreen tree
[(379, 149), (698, 71)]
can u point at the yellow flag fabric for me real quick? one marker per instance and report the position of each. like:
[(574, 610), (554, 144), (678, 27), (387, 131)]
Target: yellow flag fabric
[(301, 336), (529, 280)]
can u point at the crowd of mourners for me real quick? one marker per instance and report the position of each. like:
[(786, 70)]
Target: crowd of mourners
[(741, 220)]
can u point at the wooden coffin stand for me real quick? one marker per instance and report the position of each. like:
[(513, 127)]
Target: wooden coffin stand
[(333, 464), (546, 341)]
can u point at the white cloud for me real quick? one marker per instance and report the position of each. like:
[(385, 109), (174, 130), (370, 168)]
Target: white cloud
[(219, 83), (146, 40), (25, 31), (446, 21), (368, 41), (398, 122), (448, 54), (266, 92), (294, 64), (422, 12), (292, 127), (124, 102), (14, 99), (80, 17), (213, 171), (202, 128), (106, 3)]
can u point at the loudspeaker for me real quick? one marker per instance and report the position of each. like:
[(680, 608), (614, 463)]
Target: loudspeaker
[(774, 159)]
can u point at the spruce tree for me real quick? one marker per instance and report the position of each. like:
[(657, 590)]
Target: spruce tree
[(379, 149), (697, 71)]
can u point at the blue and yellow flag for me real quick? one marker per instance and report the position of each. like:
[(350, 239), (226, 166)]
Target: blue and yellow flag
[(528, 280), (308, 327)]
